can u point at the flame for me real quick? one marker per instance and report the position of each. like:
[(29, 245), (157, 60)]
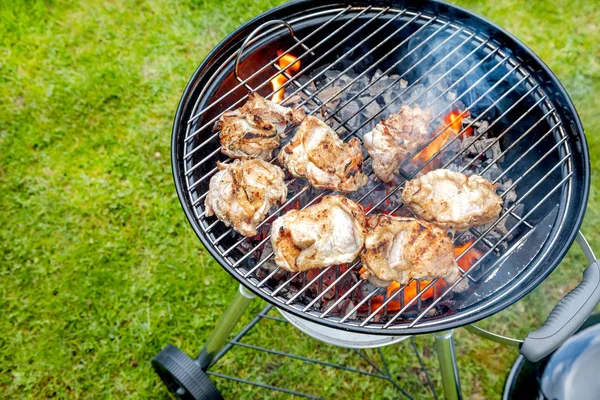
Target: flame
[(467, 261), (452, 124), (280, 79), (410, 291)]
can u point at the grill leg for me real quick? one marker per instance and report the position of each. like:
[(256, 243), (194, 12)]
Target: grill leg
[(444, 346), (228, 321)]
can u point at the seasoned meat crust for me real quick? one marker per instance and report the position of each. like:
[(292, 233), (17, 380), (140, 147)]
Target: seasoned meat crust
[(396, 138), (452, 200), (327, 233), (319, 155), (254, 130), (400, 249), (242, 193)]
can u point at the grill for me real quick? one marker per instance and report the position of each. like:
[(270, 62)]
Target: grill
[(498, 112)]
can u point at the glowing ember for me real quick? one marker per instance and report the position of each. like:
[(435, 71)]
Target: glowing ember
[(410, 291), (280, 80), (469, 258), (453, 122)]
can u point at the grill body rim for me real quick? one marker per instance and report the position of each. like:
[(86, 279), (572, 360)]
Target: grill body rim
[(564, 238)]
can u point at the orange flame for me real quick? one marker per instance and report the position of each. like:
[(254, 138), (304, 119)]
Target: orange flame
[(410, 291), (280, 79), (452, 124), (467, 261)]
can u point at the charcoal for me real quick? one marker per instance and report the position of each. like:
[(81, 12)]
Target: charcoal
[(371, 107), (482, 126), (311, 87), (348, 111), (376, 75), (348, 307), (358, 85), (492, 173), (327, 93), (330, 74), (381, 85), (494, 152), (510, 197), (450, 96), (292, 101)]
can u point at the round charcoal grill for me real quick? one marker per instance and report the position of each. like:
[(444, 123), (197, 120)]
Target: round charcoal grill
[(358, 63)]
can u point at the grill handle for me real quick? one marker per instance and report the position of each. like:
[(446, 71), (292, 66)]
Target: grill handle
[(248, 39), (569, 314)]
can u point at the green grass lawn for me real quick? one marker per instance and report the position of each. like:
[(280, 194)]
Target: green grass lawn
[(99, 268)]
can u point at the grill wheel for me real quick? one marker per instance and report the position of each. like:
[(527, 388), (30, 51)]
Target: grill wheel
[(183, 376)]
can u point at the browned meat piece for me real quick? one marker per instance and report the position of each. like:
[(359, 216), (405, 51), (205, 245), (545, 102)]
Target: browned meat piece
[(254, 130), (327, 233), (319, 155), (400, 249), (396, 138), (242, 193), (452, 200)]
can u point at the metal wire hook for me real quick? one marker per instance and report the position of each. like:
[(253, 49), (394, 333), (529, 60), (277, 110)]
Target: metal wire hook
[(250, 37)]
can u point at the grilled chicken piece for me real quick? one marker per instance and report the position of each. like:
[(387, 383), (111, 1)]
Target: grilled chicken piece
[(242, 193), (396, 138), (319, 155), (327, 233), (400, 249), (254, 130), (452, 200)]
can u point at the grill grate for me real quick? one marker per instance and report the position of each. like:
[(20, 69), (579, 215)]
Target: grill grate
[(444, 41)]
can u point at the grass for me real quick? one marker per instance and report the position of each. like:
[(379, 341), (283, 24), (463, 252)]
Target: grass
[(98, 266)]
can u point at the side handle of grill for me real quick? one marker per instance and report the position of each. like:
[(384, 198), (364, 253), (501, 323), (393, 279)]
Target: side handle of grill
[(566, 317)]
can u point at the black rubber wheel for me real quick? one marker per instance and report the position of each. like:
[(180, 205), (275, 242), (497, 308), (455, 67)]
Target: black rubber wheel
[(183, 376)]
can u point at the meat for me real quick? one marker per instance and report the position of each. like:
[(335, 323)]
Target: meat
[(327, 233), (254, 130), (452, 200), (242, 193), (319, 155), (400, 249), (396, 138)]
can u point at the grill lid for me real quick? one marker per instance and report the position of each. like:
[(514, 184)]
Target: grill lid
[(497, 112)]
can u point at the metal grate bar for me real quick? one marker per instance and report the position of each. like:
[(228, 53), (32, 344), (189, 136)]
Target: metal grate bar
[(264, 67), (372, 363), (327, 269), (295, 77), (386, 197), (422, 363), (314, 78), (331, 286), (390, 68), (310, 360), (263, 385), (359, 305), (408, 158), (299, 58), (565, 179), (466, 273), (460, 236), (341, 298), (516, 204), (210, 173), (288, 202)]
